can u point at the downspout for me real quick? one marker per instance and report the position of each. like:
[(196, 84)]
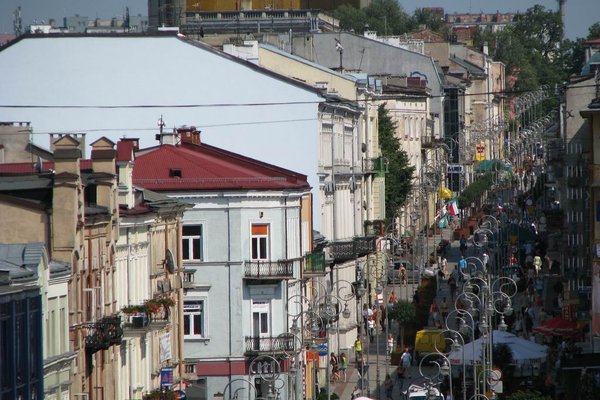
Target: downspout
[(229, 287), (180, 300)]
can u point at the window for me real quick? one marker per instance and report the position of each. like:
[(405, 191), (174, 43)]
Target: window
[(260, 242), (260, 318), (193, 243), (193, 319)]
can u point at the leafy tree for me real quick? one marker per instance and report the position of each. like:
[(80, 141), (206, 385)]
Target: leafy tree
[(425, 17), (400, 173), (594, 31), (386, 17), (404, 312), (540, 30)]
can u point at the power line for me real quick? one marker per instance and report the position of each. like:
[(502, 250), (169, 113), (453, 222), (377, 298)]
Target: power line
[(153, 130)]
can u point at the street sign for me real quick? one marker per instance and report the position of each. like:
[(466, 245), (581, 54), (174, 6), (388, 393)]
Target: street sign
[(323, 351), (166, 377), (455, 169)]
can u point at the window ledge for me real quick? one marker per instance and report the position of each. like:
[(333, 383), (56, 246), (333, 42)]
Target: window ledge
[(204, 340)]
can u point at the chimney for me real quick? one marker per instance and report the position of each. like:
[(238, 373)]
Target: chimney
[(189, 135), (126, 149), (104, 176), (67, 197), (168, 137), (80, 137)]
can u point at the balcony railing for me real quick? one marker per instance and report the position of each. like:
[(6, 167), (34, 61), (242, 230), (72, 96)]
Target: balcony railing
[(350, 249), (314, 263), (103, 333), (264, 269), (377, 165), (270, 344)]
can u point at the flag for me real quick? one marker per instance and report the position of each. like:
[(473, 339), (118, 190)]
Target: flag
[(443, 223), (453, 208)]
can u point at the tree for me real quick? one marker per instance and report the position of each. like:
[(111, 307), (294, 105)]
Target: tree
[(400, 173), (594, 31), (386, 17), (404, 312), (540, 30), (425, 17)]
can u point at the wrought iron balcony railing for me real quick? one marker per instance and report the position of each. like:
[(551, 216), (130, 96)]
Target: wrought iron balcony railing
[(270, 344), (103, 333), (377, 165), (346, 250), (314, 263), (265, 269)]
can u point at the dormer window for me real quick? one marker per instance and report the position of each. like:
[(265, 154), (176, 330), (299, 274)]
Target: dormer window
[(175, 172)]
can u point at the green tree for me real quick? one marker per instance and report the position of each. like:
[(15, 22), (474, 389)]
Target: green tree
[(594, 31), (398, 182), (540, 30), (425, 17), (386, 17), (404, 312)]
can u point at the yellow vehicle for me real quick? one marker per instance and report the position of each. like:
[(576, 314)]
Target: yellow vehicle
[(430, 341)]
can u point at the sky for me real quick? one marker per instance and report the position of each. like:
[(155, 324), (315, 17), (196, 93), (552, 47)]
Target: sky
[(580, 14)]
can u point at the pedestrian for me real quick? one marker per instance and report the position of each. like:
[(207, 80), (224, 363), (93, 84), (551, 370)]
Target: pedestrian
[(452, 285), (463, 245), (382, 317), (462, 266), (393, 298), (371, 326), (440, 279), (358, 348), (335, 369), (537, 262), (433, 313), (416, 297), (367, 313), (355, 393), (444, 308), (406, 359), (445, 266), (390, 344), (389, 387), (485, 261), (343, 366)]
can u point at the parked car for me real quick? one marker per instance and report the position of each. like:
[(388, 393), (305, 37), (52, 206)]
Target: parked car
[(416, 392), (413, 274), (429, 341)]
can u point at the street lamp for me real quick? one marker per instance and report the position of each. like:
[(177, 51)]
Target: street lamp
[(322, 310)]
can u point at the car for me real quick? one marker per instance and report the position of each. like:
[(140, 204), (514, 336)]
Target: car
[(413, 273), (429, 341)]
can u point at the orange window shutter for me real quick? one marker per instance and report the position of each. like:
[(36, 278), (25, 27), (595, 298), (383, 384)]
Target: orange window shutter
[(260, 229)]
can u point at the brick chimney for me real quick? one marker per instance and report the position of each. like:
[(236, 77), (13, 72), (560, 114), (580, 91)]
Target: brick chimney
[(104, 176), (189, 135), (126, 149), (67, 197)]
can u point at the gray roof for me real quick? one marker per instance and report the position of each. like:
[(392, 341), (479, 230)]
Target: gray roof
[(21, 260)]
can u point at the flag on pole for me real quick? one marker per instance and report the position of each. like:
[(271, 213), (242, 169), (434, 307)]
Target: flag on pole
[(453, 209)]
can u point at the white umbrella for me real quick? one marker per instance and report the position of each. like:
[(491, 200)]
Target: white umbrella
[(522, 349)]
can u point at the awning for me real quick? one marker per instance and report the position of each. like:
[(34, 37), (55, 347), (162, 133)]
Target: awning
[(445, 193), (492, 165)]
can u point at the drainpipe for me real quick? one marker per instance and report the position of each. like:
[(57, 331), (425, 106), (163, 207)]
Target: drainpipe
[(229, 286)]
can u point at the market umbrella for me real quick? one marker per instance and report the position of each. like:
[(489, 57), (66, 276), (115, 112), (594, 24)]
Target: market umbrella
[(522, 349)]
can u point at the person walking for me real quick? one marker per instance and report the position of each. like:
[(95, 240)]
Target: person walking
[(371, 325), (462, 267), (343, 366), (335, 369), (444, 308), (358, 348), (390, 344), (389, 387), (452, 285), (463, 245), (382, 316), (445, 266)]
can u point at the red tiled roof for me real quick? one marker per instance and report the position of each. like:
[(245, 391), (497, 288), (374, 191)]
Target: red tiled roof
[(593, 41), (204, 167)]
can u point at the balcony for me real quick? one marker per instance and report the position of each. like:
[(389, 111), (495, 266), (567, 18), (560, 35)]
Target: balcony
[(314, 263), (188, 278), (377, 165), (351, 249), (103, 334), (270, 344), (429, 141), (272, 270)]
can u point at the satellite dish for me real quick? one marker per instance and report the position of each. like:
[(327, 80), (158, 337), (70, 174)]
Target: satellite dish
[(170, 262)]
